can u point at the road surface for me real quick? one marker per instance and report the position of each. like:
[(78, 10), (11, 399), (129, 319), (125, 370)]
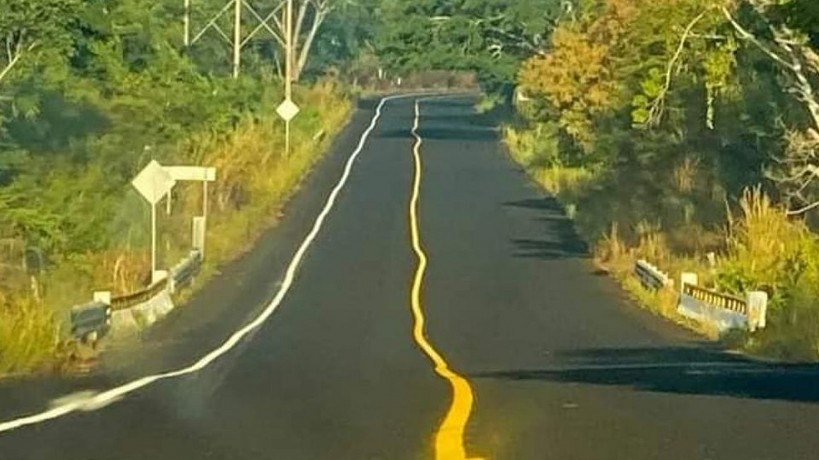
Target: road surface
[(525, 351)]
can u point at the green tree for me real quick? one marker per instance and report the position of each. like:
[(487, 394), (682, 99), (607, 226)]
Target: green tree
[(489, 37)]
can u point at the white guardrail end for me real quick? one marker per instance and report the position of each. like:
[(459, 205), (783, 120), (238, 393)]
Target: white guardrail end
[(650, 276), (757, 309), (719, 310), (688, 278)]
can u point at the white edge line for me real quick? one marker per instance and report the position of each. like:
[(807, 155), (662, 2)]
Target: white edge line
[(104, 398)]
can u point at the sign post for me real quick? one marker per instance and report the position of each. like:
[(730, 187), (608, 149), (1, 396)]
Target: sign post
[(196, 173), (288, 110), (153, 183)]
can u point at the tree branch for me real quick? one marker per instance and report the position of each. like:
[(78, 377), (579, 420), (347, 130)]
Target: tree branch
[(802, 84), (308, 42), (14, 57), (803, 210), (752, 38), (657, 105)]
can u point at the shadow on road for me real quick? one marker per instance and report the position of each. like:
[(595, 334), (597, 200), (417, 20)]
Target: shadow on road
[(682, 370), (453, 134), (560, 241), (550, 249), (478, 120)]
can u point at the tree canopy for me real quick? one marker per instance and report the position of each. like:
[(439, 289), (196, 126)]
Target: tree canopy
[(489, 37)]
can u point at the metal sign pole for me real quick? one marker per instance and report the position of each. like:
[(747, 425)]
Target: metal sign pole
[(287, 138), (204, 214), (153, 243), (153, 183), (287, 109)]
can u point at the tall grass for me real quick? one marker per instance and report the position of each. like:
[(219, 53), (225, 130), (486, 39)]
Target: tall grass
[(771, 252), (29, 335)]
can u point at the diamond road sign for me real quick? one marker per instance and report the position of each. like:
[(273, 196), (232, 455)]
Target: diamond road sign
[(287, 110), (153, 182)]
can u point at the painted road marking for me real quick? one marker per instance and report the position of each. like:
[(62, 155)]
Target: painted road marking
[(449, 439), (93, 401)]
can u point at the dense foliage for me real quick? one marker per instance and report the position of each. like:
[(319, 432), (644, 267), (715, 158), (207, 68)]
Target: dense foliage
[(92, 91), (652, 119), (488, 37)]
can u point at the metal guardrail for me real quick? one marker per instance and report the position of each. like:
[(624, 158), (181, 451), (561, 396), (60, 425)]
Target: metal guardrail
[(130, 300), (184, 272), (90, 322), (650, 276)]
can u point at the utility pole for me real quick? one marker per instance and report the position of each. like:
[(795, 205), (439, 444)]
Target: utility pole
[(288, 78), (187, 21), (237, 37)]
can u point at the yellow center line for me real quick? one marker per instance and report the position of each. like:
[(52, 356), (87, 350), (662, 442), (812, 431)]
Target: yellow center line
[(449, 439)]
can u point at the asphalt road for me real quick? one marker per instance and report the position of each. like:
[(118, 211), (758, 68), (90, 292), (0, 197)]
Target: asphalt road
[(556, 363)]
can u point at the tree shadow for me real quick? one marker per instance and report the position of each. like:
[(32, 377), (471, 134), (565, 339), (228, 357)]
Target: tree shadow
[(549, 250), (478, 120), (60, 123), (543, 204), (678, 370), (561, 240), (477, 134)]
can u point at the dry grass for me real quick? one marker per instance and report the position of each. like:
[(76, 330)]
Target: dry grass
[(762, 242), (29, 333)]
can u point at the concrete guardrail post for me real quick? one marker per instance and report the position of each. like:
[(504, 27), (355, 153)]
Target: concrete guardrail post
[(103, 296), (757, 309), (688, 278)]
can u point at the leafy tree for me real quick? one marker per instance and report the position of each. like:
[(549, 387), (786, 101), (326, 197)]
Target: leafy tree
[(34, 31), (490, 37)]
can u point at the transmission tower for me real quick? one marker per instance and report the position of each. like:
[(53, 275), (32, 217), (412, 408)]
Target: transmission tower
[(276, 23)]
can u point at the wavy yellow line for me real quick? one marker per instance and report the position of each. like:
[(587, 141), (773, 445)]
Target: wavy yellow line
[(449, 439)]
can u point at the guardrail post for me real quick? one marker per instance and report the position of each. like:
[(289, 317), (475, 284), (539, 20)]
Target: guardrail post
[(757, 309), (688, 278), (160, 275), (103, 296)]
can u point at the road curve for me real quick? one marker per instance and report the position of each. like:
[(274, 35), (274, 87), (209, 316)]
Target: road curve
[(558, 365)]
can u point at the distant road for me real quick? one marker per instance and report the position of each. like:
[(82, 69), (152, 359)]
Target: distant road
[(475, 327)]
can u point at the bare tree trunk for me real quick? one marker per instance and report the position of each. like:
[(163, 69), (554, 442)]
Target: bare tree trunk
[(304, 52), (300, 21)]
